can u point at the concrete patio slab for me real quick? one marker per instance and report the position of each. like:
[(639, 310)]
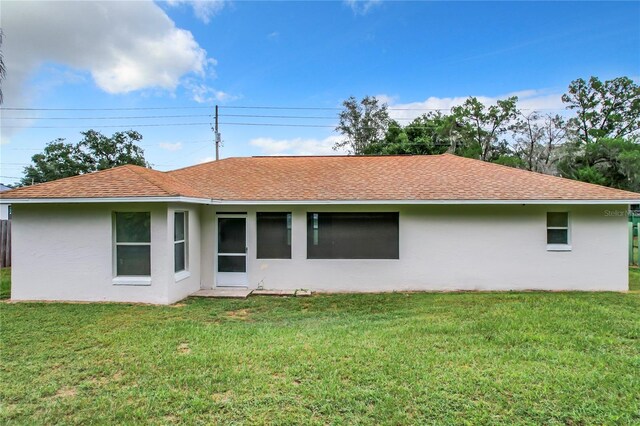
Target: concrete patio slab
[(234, 293), (297, 293)]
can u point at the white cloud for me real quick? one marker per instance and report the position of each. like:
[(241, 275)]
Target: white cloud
[(362, 7), (202, 93), (273, 35), (125, 46), (528, 100), (204, 10), (297, 146), (171, 146)]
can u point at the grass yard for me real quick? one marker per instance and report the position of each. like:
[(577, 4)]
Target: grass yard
[(634, 279), (5, 283), (483, 358)]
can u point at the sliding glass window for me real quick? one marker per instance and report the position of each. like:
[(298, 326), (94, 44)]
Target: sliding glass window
[(353, 235)]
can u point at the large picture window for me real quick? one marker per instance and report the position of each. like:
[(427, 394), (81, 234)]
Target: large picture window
[(352, 236), (274, 235), (180, 235), (133, 243)]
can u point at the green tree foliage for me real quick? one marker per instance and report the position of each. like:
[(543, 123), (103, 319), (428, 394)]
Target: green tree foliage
[(362, 123), (605, 161), (94, 152), (486, 124), (432, 133), (603, 110), (604, 145)]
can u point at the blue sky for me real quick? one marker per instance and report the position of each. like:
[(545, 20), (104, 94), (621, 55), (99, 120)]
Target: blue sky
[(289, 54)]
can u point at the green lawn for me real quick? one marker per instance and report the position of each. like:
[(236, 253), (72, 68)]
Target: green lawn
[(5, 283), (634, 279), (476, 358)]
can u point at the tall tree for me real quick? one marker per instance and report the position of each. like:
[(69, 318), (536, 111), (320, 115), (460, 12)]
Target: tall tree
[(94, 152), (603, 110), (486, 124), (604, 145), (536, 138), (362, 123), (609, 162), (102, 152), (431, 133)]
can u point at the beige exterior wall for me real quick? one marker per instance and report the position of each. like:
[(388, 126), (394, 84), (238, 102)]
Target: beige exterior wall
[(464, 247)]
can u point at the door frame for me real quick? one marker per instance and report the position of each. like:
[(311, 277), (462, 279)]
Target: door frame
[(231, 279)]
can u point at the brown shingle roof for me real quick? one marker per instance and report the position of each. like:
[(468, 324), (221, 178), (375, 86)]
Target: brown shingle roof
[(340, 178), (124, 181), (419, 177)]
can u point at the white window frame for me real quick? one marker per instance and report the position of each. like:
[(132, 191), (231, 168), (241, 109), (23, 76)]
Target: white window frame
[(134, 280), (559, 247), (184, 273)]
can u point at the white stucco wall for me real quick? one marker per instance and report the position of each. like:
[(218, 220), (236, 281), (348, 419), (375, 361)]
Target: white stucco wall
[(188, 282), (470, 247), (65, 252)]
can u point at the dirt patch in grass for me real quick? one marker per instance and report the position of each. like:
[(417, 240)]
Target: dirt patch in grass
[(184, 349), (222, 397), (66, 392), (240, 314)]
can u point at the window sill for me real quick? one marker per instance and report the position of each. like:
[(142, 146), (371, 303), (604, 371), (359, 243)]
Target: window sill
[(558, 247), (182, 275), (131, 281)]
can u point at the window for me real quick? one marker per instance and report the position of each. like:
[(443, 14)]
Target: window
[(133, 244), (352, 236), (274, 235), (180, 236), (557, 228)]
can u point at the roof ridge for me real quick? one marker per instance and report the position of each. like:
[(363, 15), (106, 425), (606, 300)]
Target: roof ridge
[(137, 172), (140, 171), (202, 164)]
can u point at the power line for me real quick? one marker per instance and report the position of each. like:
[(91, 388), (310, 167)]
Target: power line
[(108, 118), (278, 125), (310, 125), (109, 126), (141, 145), (281, 108), (103, 109), (311, 117), (263, 107)]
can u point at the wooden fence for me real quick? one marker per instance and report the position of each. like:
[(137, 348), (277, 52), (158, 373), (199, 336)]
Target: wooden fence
[(634, 241), (5, 243)]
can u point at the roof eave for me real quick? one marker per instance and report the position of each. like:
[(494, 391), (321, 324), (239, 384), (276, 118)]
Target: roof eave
[(196, 200), (79, 200)]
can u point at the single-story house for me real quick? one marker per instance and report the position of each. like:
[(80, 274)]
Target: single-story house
[(325, 224)]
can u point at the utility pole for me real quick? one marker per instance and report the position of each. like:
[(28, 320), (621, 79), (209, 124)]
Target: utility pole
[(217, 135)]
